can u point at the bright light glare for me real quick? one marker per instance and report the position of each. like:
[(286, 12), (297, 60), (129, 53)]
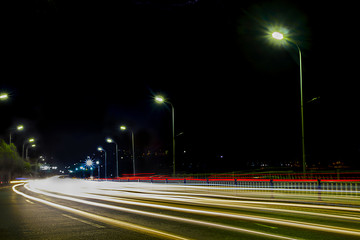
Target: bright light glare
[(123, 128), (159, 99), (89, 162), (277, 35), (100, 149), (20, 127), (31, 139), (3, 96), (45, 168), (109, 140)]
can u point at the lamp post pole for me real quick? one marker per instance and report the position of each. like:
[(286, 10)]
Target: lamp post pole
[(160, 99), (123, 128), (103, 150), (173, 136), (302, 112), (30, 140), (109, 140), (280, 36), (19, 128), (133, 150), (98, 163)]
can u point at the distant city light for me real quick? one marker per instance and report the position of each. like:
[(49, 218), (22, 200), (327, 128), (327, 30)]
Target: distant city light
[(44, 167), (89, 162)]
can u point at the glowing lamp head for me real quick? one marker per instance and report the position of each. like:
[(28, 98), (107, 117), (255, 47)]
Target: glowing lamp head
[(20, 127), (123, 128), (100, 149), (159, 99), (109, 140), (277, 35), (4, 96), (31, 139)]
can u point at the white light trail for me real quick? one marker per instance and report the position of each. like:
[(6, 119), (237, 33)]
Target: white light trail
[(163, 216), (102, 219), (283, 222)]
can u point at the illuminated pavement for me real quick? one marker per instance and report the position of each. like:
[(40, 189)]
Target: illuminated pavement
[(78, 209)]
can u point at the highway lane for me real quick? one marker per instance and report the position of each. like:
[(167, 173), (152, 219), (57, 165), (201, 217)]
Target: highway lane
[(177, 212), (22, 218)]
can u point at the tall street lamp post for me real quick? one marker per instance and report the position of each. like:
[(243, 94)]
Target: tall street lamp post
[(161, 100), (123, 128), (279, 36), (109, 140), (27, 150), (98, 164), (100, 149)]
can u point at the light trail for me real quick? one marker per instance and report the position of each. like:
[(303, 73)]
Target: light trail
[(102, 219), (179, 197), (163, 216), (115, 191), (170, 189), (289, 223), (106, 196)]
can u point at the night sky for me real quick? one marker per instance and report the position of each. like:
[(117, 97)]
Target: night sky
[(77, 70)]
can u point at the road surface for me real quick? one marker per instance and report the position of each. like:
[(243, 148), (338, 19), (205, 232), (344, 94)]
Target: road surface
[(78, 209)]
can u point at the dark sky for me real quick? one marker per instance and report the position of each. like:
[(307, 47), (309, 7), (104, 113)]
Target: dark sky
[(76, 70)]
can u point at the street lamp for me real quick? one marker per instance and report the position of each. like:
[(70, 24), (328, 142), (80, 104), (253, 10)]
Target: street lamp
[(19, 128), (160, 99), (89, 164), (3, 96), (109, 140), (279, 36), (27, 149), (123, 128), (100, 149), (30, 140), (98, 164)]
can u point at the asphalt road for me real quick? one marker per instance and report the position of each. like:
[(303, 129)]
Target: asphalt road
[(78, 209)]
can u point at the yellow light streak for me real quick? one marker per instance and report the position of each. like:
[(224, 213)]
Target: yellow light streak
[(18, 181)]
